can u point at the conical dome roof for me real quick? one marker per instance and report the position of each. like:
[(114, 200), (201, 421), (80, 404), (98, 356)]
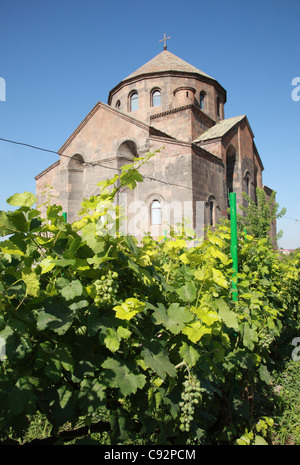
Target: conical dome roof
[(166, 61)]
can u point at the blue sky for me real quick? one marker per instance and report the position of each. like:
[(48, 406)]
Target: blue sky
[(59, 57)]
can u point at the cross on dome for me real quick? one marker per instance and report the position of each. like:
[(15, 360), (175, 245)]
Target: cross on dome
[(164, 40)]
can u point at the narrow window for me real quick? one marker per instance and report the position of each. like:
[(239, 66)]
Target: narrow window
[(247, 185), (155, 212), (156, 98), (118, 105), (202, 97), (134, 101), (211, 213)]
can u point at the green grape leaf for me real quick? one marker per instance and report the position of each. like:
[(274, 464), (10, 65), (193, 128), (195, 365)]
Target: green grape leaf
[(130, 177), (91, 396), (189, 354), (32, 283), (110, 338), (47, 264), (195, 331), (27, 199), (249, 336), (69, 290), (156, 358), (187, 293), (129, 308), (10, 248), (66, 408), (21, 398), (120, 375), (227, 315), (55, 316), (264, 374), (260, 441), (12, 222), (94, 241), (174, 319), (219, 278), (207, 316)]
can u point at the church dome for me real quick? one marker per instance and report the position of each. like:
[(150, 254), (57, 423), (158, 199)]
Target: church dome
[(165, 62), (174, 82)]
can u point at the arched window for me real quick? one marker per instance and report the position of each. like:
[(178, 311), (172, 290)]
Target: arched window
[(156, 98), (211, 210), (230, 168), (75, 186), (126, 152), (118, 105), (133, 101), (155, 212), (202, 100), (211, 213), (248, 185)]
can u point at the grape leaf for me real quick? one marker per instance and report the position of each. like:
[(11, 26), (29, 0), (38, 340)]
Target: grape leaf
[(110, 338), (90, 396), (157, 359), (47, 264), (227, 315), (187, 292), (119, 375), (12, 222), (27, 199), (55, 316), (195, 331), (70, 290), (189, 354), (10, 248), (129, 308), (249, 336), (264, 374), (174, 319), (21, 398), (219, 278), (32, 283)]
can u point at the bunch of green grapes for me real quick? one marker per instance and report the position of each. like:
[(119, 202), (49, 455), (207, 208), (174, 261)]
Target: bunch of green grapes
[(266, 339), (191, 396), (106, 289)]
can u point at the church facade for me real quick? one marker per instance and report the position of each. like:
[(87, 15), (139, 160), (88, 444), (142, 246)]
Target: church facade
[(171, 106)]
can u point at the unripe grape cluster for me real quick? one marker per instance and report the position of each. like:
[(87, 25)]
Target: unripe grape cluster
[(106, 289), (266, 339), (191, 396)]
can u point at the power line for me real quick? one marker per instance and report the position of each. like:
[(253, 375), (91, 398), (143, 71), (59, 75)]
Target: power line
[(96, 163), (32, 146), (144, 176), (293, 219)]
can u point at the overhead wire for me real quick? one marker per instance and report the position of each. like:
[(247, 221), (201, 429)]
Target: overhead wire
[(293, 219), (95, 163)]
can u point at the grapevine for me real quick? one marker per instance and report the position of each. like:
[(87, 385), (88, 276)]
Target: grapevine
[(266, 339), (106, 289), (191, 396)]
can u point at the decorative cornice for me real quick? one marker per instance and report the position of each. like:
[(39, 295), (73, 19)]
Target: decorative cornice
[(169, 141), (190, 106), (173, 110)]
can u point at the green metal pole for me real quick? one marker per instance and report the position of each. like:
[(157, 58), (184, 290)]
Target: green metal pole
[(234, 243)]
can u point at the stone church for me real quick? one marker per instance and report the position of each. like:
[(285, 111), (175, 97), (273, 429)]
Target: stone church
[(172, 106)]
